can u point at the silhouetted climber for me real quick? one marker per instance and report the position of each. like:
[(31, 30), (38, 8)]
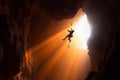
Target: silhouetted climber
[(70, 35)]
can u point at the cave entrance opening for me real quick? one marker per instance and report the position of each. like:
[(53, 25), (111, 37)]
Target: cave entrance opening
[(82, 30)]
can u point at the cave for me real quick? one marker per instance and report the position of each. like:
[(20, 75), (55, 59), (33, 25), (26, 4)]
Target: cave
[(29, 26)]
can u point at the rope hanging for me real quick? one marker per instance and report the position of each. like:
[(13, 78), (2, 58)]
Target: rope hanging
[(71, 26)]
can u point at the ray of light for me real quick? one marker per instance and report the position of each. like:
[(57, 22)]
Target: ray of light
[(53, 60)]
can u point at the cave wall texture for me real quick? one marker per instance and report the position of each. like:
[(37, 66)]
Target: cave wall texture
[(103, 45), (14, 20)]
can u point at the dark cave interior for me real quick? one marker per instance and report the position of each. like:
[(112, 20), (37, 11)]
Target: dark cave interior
[(18, 20)]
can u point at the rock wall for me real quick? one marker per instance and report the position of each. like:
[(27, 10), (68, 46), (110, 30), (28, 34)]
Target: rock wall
[(103, 45), (14, 20)]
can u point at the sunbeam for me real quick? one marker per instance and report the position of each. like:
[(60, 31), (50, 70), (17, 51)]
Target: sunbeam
[(53, 60)]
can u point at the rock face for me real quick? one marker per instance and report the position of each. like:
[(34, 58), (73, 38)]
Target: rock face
[(104, 43), (12, 37), (61, 9), (11, 48)]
